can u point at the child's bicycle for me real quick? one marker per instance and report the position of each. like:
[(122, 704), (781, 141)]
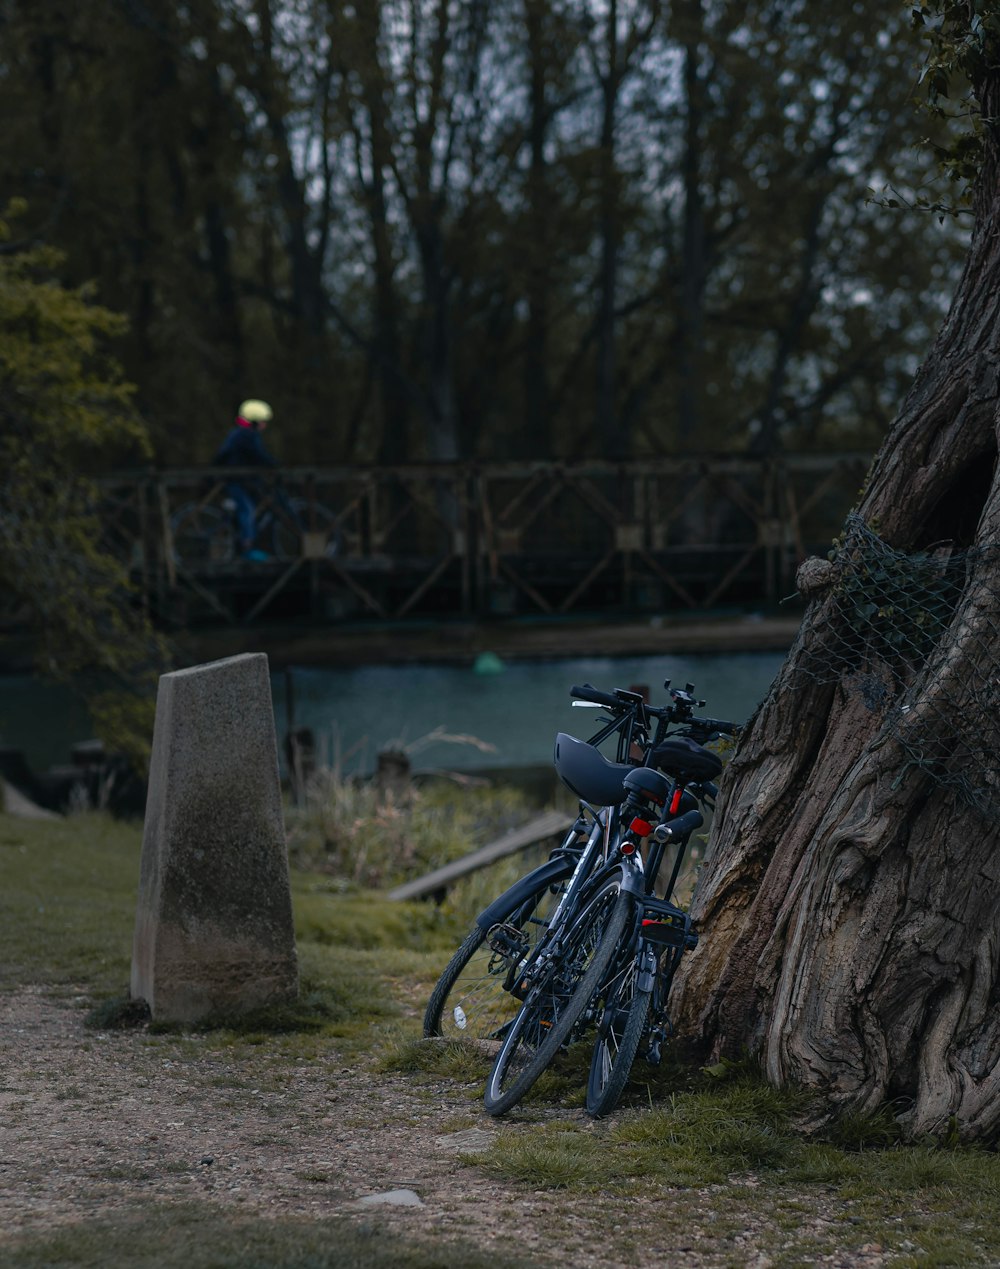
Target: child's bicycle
[(205, 533)]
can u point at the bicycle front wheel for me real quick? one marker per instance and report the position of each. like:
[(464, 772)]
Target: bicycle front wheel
[(470, 1001), (556, 1002), (619, 1033)]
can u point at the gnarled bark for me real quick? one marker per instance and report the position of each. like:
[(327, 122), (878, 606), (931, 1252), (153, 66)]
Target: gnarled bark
[(850, 899)]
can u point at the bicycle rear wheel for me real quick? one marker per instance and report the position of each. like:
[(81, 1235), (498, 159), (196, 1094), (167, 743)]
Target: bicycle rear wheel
[(469, 1001), (619, 1033), (555, 1004), (298, 517)]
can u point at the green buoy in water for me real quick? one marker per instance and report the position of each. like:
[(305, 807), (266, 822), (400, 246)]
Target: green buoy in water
[(488, 663)]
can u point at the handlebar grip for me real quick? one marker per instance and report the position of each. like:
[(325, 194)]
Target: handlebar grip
[(680, 827), (585, 692), (716, 724)]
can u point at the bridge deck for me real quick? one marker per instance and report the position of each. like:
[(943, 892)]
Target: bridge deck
[(479, 541)]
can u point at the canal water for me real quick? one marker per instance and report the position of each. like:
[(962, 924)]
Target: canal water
[(507, 718), (447, 717)]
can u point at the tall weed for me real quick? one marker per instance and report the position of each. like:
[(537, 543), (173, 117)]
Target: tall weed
[(373, 837)]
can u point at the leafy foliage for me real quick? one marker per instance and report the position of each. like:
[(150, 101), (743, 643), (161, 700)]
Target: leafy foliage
[(64, 409), (964, 48)]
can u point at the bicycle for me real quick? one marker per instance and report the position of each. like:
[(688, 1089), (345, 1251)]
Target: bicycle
[(630, 1006), (473, 998), (205, 534), (579, 957)]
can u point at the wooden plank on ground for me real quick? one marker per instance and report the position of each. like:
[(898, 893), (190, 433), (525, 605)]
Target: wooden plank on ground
[(548, 824)]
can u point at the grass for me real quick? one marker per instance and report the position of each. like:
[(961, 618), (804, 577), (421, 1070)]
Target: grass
[(696, 1158), (374, 838), (198, 1237), (69, 887), (927, 1204)]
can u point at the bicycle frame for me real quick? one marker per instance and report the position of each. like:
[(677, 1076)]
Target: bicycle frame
[(598, 854)]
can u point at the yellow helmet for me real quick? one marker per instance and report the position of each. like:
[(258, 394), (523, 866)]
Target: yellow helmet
[(255, 411)]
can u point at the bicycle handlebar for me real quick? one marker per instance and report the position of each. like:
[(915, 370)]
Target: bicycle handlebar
[(679, 712), (586, 692), (715, 724)]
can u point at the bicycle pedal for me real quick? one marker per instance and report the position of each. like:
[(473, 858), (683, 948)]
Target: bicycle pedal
[(507, 941)]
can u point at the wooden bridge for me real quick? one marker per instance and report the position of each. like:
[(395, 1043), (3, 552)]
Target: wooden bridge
[(480, 540)]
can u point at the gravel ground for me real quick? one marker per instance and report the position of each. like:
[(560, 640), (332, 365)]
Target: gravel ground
[(93, 1122)]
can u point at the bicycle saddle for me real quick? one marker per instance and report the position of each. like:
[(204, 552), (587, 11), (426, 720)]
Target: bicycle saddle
[(588, 773), (685, 759)]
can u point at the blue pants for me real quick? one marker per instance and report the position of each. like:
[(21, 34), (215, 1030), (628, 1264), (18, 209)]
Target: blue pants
[(246, 507)]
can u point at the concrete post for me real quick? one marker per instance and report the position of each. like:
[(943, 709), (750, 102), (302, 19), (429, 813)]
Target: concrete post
[(213, 931)]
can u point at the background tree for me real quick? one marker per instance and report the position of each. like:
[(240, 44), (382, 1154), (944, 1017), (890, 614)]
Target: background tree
[(532, 227), (849, 900), (64, 410)]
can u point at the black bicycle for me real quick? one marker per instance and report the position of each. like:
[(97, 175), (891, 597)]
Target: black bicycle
[(630, 1005), (476, 996), (472, 1000), (579, 971)]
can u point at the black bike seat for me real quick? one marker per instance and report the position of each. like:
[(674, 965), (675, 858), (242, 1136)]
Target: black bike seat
[(588, 773), (685, 759)]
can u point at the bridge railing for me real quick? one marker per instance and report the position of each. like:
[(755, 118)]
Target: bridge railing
[(479, 539)]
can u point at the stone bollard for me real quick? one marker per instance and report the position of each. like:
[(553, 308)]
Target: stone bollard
[(213, 931)]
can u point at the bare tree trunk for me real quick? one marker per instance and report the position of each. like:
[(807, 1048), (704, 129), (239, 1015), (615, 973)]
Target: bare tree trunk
[(534, 436), (693, 263), (387, 354), (850, 901), (612, 443)]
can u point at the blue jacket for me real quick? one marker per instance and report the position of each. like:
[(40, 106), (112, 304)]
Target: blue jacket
[(243, 447)]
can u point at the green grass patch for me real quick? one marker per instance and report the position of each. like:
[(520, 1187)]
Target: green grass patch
[(67, 917), (926, 1204), (461, 1061), (195, 1236), (67, 905)]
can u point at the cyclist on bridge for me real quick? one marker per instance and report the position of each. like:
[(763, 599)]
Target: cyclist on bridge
[(244, 447)]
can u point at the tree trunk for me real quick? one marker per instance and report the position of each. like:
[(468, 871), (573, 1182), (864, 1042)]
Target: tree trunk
[(534, 435), (386, 353), (850, 900), (693, 262), (611, 441)]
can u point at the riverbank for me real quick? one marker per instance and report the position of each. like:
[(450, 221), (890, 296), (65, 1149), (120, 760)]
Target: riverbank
[(384, 643), (395, 642)]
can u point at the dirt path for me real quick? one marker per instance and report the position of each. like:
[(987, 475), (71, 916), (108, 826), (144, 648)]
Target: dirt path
[(91, 1122)]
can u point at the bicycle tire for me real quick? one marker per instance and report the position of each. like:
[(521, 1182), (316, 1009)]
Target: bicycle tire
[(556, 1003), (469, 1001), (619, 1034)]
